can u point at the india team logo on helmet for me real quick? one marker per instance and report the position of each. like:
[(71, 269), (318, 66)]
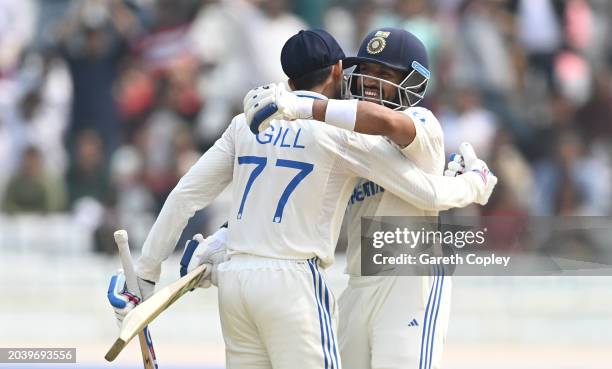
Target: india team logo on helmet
[(397, 49), (377, 43)]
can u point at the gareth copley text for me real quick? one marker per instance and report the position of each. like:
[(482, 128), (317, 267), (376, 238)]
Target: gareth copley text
[(427, 259)]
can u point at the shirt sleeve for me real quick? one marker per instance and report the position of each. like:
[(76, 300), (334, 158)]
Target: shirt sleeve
[(374, 158), (429, 139), (197, 188)]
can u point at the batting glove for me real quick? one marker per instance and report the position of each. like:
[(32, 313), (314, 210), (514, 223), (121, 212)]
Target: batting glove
[(211, 251), (122, 300), (455, 166), (264, 104), (474, 165)]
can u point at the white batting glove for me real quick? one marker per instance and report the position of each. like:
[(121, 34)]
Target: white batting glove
[(211, 251), (456, 166), (121, 299), (265, 103), (475, 165)]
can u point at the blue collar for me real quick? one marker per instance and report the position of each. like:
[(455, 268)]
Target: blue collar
[(311, 94)]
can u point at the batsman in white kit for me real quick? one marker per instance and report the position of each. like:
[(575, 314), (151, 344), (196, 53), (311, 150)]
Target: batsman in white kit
[(390, 322), (290, 185), (401, 321)]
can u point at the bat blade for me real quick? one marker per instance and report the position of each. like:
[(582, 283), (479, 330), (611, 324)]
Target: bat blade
[(115, 349), (144, 313)]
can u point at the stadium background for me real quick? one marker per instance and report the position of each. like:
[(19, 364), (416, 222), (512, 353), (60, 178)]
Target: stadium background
[(104, 104)]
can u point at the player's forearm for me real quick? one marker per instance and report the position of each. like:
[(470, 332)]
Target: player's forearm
[(163, 237), (457, 192), (368, 118), (161, 241), (200, 186), (380, 162), (437, 193)]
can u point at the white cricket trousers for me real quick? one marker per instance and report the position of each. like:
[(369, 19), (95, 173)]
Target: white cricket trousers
[(394, 322), (277, 314)]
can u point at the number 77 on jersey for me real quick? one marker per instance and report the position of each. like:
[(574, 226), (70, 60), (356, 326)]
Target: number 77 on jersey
[(260, 163)]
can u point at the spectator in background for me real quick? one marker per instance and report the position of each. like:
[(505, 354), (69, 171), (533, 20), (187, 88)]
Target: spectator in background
[(418, 17), (558, 114), (482, 57), (272, 24), (340, 22), (158, 143), (516, 195), (134, 205), (587, 29), (50, 15), (471, 122), (311, 11), (93, 41), (172, 13), (573, 181), (573, 76), (570, 198), (225, 63), (540, 34), (42, 112), (136, 97), (595, 115), (160, 80), (87, 176), (17, 21), (33, 111), (247, 57), (31, 190), (363, 12)]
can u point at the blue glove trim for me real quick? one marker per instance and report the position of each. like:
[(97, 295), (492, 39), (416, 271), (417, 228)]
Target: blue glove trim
[(262, 115), (187, 255), (114, 299)]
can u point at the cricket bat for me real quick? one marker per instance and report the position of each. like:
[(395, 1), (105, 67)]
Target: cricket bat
[(146, 344), (147, 311)]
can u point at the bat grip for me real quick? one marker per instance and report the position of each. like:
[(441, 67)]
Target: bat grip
[(126, 262)]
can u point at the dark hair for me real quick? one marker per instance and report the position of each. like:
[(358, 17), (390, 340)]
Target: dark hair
[(312, 79)]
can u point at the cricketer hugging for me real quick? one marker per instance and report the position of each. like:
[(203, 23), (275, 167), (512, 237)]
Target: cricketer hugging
[(293, 161)]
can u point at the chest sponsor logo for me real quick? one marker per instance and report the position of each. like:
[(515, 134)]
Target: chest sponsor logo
[(364, 190)]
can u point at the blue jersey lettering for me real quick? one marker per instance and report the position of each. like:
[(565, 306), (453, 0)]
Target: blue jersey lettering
[(281, 137), (364, 190)]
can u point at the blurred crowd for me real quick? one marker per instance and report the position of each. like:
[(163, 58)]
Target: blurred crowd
[(104, 104)]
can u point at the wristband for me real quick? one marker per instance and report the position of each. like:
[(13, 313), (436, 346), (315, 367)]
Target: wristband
[(341, 113)]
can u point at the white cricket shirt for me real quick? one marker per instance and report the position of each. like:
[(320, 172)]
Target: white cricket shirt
[(371, 199), (290, 185)]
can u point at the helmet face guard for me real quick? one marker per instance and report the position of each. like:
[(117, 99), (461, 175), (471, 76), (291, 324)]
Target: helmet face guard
[(409, 92)]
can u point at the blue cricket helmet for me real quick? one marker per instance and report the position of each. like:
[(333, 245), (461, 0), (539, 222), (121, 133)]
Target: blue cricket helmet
[(397, 49)]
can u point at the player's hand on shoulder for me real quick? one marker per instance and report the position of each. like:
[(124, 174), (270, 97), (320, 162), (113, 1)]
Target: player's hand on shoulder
[(265, 103), (260, 107), (123, 300), (211, 251), (468, 162)]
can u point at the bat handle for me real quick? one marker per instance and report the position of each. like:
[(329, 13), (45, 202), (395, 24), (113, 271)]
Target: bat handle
[(121, 238), (146, 345)]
